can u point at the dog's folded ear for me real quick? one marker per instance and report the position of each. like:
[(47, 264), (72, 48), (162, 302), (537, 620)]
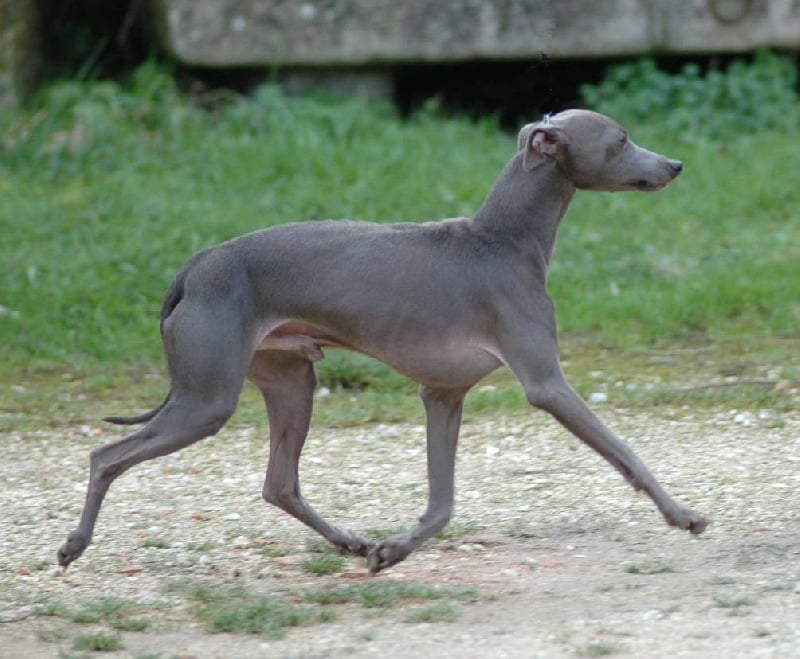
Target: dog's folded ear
[(539, 141)]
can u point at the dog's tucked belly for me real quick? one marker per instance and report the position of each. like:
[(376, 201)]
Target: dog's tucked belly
[(447, 362)]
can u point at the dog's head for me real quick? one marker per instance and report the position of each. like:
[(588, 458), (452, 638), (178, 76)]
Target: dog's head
[(595, 153)]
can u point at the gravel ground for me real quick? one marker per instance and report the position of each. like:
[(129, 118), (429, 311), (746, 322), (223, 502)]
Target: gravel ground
[(566, 559)]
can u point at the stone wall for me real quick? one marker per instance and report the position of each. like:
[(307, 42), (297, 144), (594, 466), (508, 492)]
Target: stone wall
[(263, 33), (360, 40)]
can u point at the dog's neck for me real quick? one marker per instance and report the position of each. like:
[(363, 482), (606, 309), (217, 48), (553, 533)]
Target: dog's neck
[(525, 207)]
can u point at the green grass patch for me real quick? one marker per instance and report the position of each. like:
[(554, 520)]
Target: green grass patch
[(649, 568), (275, 551), (663, 376), (238, 611), (98, 642), (51, 635), (599, 649), (107, 188), (380, 593), (439, 612), (155, 543), (738, 605), (324, 564), (118, 613), (263, 615)]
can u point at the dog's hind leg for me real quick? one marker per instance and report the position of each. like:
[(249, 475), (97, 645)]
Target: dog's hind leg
[(287, 382), (207, 372)]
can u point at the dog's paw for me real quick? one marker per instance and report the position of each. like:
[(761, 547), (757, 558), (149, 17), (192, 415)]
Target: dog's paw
[(386, 554), (689, 520), (72, 549), (354, 544)]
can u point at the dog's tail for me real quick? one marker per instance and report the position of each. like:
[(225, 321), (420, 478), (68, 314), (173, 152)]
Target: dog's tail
[(173, 297), (142, 418)]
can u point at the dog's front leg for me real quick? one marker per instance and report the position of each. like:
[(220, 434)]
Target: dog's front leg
[(443, 408), (533, 357)]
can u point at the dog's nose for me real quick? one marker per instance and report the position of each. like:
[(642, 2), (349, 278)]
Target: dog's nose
[(677, 166)]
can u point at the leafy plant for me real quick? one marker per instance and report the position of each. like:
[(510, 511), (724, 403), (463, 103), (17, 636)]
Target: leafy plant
[(746, 97)]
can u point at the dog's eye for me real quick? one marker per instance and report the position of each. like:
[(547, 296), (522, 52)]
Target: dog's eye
[(623, 138)]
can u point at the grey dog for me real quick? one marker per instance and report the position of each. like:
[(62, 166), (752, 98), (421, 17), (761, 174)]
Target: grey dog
[(444, 303)]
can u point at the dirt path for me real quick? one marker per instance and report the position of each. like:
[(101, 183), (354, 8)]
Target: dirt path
[(563, 559)]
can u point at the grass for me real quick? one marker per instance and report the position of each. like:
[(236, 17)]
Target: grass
[(324, 564), (649, 568), (264, 615), (238, 611), (107, 188), (633, 378), (439, 612), (112, 613), (735, 606), (98, 642), (599, 649), (379, 593)]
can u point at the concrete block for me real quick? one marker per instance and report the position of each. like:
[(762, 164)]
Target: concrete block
[(319, 33)]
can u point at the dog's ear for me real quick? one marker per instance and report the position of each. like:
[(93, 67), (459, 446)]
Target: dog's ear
[(539, 141)]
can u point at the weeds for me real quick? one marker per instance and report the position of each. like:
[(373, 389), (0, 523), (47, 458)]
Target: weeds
[(117, 613), (734, 606), (744, 97), (98, 642), (440, 612), (236, 610), (649, 568), (155, 543), (51, 635), (324, 564), (382, 594), (599, 649), (264, 615)]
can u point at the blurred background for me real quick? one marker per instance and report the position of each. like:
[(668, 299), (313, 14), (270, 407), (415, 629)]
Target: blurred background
[(134, 133), (509, 57)]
